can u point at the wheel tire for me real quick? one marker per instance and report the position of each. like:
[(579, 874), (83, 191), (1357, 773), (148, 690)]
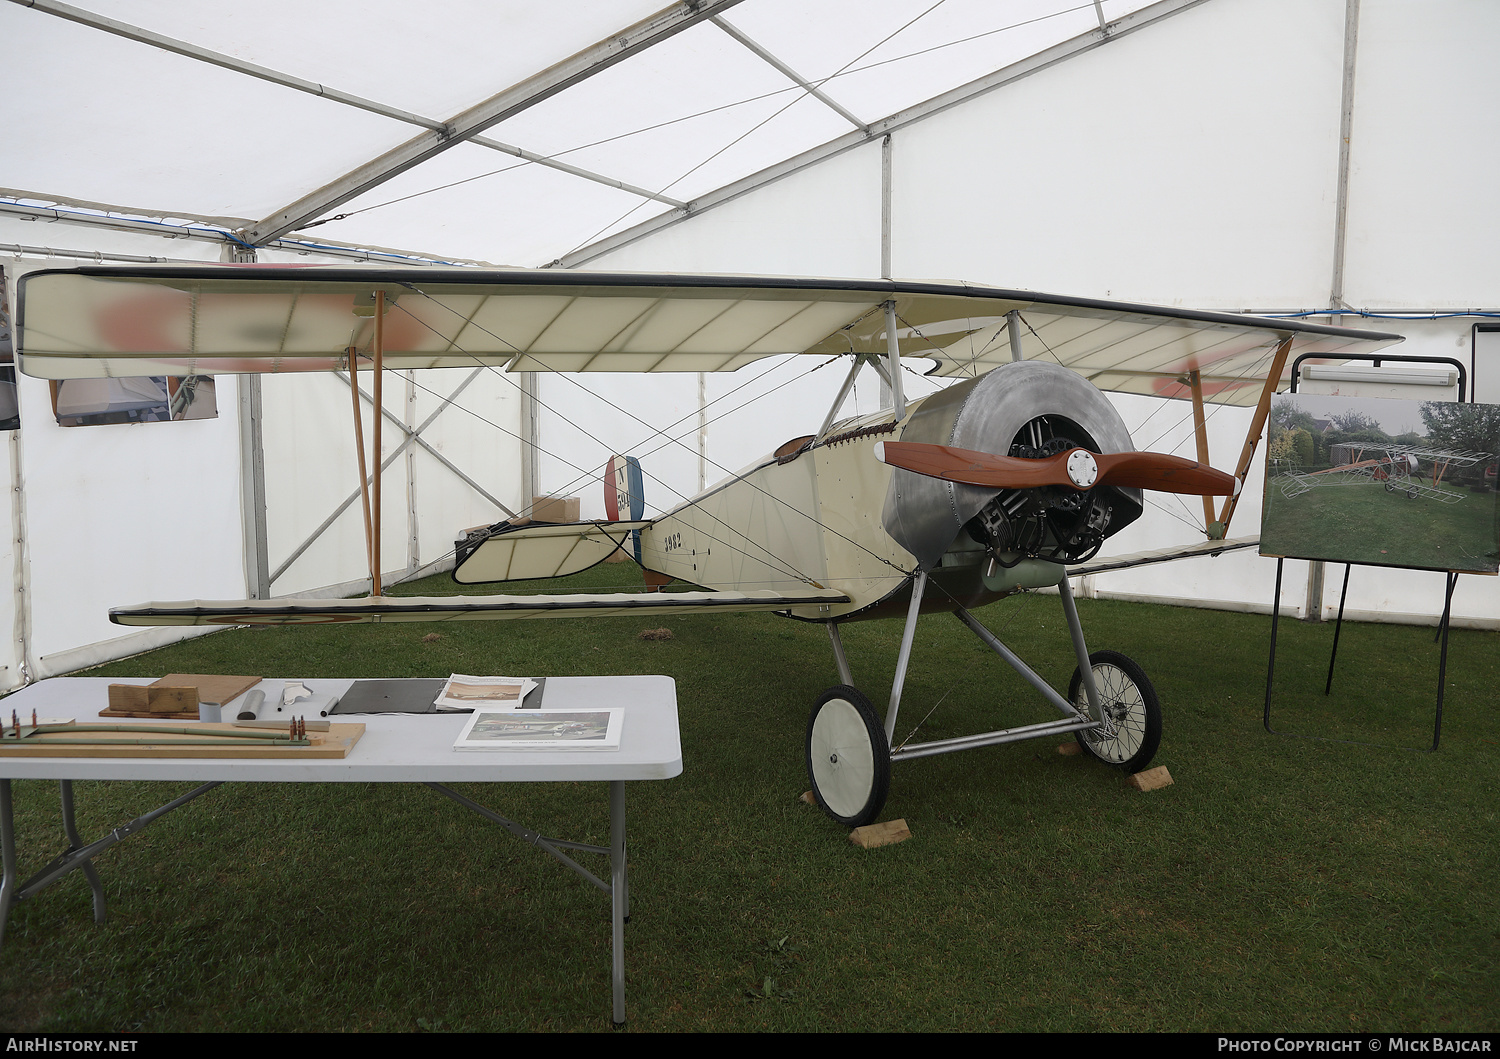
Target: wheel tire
[(848, 757), (1390, 486), (1130, 701)]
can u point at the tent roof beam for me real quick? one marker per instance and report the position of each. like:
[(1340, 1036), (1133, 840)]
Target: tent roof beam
[(786, 71), (1058, 53), (163, 230), (240, 66), (470, 123)]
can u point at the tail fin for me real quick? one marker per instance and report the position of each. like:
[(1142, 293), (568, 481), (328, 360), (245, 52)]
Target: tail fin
[(624, 498)]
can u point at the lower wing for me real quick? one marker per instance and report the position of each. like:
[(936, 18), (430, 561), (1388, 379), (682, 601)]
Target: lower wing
[(458, 608)]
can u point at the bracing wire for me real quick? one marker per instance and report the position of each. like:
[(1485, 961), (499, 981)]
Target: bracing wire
[(587, 474), (688, 501), (845, 72), (759, 125)]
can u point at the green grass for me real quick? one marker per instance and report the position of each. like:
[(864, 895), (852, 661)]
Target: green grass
[(1361, 522), (1280, 884)]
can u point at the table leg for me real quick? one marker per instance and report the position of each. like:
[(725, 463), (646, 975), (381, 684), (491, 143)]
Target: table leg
[(70, 828), (619, 896)]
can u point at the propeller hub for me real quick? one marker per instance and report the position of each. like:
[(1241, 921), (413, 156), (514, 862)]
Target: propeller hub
[(1083, 469)]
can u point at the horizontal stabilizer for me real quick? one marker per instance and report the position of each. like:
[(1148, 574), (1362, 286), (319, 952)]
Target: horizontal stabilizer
[(458, 608), (538, 550)]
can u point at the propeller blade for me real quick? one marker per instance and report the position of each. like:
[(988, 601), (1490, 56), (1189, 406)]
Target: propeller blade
[(1166, 474), (1077, 469)]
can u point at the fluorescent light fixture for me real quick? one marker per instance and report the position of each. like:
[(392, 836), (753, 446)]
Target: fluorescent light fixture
[(1382, 376)]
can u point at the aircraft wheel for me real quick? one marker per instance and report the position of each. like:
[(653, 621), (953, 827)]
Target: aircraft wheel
[(848, 758), (1390, 487), (1411, 494), (1129, 703)]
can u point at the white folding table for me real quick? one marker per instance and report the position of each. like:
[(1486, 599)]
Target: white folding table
[(395, 748)]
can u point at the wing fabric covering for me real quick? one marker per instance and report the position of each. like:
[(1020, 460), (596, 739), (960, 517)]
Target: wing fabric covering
[(458, 608), (112, 321), (530, 553)]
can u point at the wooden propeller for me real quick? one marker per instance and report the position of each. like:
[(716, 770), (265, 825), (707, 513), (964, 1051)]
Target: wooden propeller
[(1077, 469)]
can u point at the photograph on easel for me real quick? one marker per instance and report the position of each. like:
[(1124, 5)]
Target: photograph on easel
[(1383, 482)]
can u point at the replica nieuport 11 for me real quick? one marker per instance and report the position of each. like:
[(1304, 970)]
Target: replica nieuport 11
[(993, 485)]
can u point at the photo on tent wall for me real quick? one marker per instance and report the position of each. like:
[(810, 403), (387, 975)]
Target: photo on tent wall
[(1383, 482), (146, 399)]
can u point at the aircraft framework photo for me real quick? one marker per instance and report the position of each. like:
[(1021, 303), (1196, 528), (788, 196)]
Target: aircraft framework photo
[(1397, 468)]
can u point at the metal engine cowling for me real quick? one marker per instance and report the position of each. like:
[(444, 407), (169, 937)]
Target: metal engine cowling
[(1027, 409)]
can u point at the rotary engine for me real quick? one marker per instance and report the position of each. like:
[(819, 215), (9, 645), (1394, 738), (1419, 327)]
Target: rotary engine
[(1031, 410), (1052, 522)]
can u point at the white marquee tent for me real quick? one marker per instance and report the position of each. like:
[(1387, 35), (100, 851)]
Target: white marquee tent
[(1333, 158)]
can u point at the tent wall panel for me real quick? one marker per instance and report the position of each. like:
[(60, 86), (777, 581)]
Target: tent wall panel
[(1423, 213), (124, 513)]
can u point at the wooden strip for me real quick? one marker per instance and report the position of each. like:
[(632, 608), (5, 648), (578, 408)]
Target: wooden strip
[(359, 449), (336, 743), (376, 454), (1200, 433), (1257, 425)]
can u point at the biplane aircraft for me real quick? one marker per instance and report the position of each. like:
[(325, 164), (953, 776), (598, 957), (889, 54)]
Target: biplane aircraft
[(1398, 469), (993, 485)]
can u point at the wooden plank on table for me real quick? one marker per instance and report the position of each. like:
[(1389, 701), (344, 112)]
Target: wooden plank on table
[(211, 688), (173, 701), (123, 697), (337, 742)]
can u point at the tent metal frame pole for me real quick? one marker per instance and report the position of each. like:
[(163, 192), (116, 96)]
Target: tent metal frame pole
[(322, 91), (417, 439), (408, 440), (413, 541), (162, 230), (766, 56), (465, 126), (1068, 49), (253, 489), (252, 468)]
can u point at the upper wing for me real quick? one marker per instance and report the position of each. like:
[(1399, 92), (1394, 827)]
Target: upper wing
[(456, 608), (100, 321)]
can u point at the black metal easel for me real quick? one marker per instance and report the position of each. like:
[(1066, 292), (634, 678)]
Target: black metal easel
[(1437, 726)]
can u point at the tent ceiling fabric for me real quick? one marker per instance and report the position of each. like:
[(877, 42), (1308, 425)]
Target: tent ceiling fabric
[(700, 107), (178, 320)]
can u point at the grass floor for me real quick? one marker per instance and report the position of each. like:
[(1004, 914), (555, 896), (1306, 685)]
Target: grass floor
[(1281, 883)]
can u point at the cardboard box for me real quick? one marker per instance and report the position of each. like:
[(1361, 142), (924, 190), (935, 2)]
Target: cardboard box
[(554, 509)]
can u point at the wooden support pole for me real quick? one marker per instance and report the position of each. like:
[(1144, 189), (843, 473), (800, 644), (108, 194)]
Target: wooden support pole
[(1200, 432), (375, 446), (359, 448), (1257, 426)]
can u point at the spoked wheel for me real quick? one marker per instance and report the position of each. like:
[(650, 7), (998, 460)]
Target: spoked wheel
[(848, 758), (1132, 716)]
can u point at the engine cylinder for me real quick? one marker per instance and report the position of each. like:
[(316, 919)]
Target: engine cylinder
[(1023, 408)]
